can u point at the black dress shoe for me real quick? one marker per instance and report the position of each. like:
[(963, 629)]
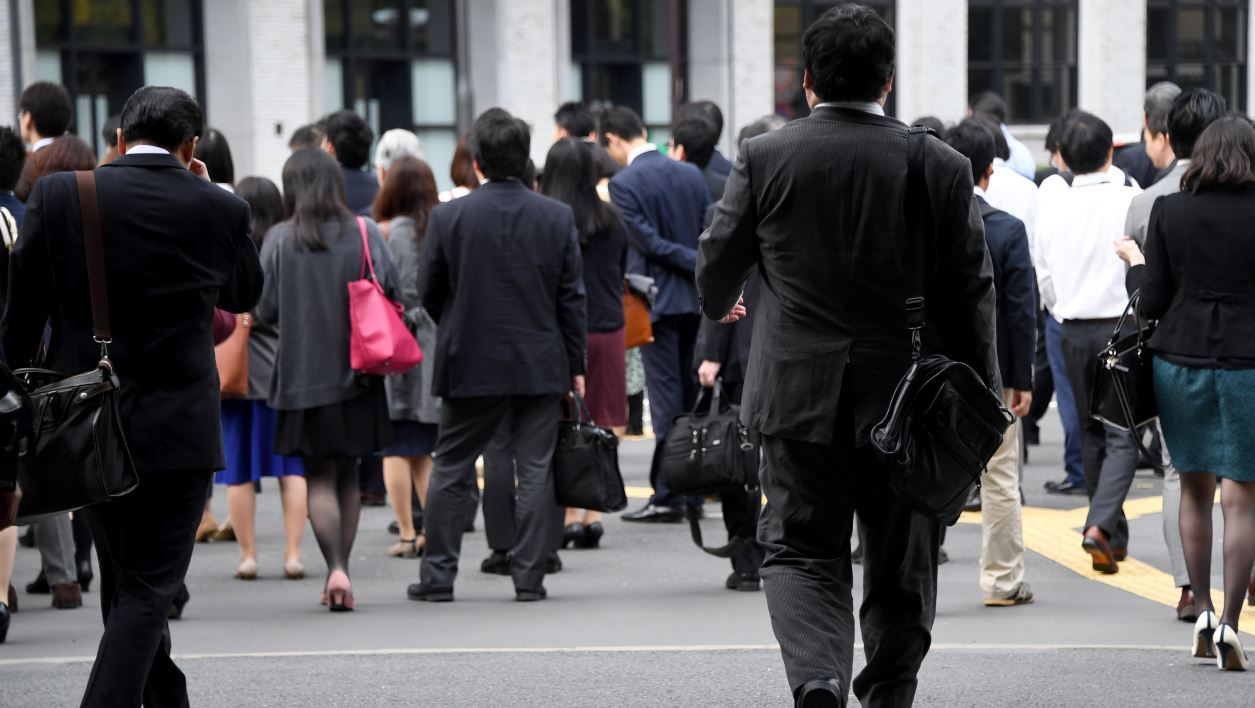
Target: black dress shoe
[(27, 540), (394, 528), (655, 513), (747, 582), (12, 600), (39, 586), (521, 595), (553, 564), (592, 536), (820, 694), (180, 601), (573, 534), (1064, 487), (4, 622), (85, 575), (973, 500), (425, 593), (496, 564)]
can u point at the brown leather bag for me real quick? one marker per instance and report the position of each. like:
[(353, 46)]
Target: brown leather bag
[(638, 330), (232, 357)]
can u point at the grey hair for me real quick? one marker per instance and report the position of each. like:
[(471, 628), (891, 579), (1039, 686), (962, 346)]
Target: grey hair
[(394, 144), (1158, 103)]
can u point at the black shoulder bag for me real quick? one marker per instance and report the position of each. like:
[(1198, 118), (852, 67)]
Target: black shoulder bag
[(78, 456), (586, 464), (943, 424), (1124, 387)]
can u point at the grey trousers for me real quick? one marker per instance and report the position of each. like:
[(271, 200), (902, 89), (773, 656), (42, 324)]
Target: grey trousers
[(54, 537), (499, 488), (1172, 517), (1109, 456), (467, 426)]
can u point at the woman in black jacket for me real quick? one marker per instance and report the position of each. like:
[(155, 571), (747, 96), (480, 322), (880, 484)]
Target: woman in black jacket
[(1197, 281)]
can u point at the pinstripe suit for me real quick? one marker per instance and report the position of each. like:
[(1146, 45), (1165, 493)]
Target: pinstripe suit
[(815, 206)]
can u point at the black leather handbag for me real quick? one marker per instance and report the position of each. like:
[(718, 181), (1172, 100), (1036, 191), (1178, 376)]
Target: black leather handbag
[(1123, 395), (944, 423), (586, 464), (78, 454)]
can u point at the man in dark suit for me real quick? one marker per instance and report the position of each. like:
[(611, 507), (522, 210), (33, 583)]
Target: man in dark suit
[(819, 208), (347, 138), (663, 203), (176, 246), (692, 140), (515, 348), (710, 111), (1002, 539)]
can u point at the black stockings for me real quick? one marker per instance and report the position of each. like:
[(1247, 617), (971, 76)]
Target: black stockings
[(335, 504), (1197, 492), (1237, 500)]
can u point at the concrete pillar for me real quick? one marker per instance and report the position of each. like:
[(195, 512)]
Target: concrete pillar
[(932, 59), (1111, 59), (730, 61), (527, 66), (17, 55)]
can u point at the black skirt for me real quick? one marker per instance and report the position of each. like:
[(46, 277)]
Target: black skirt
[(358, 427)]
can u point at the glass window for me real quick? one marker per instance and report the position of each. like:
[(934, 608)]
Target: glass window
[(175, 69), (434, 89), (1199, 43), (376, 24), (431, 27), (1025, 51), (103, 21), (168, 23)]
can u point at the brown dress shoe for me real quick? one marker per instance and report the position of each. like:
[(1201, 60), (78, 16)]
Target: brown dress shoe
[(1096, 545), (208, 527), (1185, 606), (67, 596), (1120, 554)]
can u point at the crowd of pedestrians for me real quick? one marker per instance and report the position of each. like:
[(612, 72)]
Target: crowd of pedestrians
[(512, 282)]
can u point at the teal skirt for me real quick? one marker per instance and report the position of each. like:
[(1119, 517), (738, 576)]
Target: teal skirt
[(1208, 418)]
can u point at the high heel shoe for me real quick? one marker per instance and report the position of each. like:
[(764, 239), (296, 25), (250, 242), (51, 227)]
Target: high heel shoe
[(4, 622), (340, 592), (572, 534), (405, 548), (208, 527), (1229, 654), (1204, 631), (592, 535), (85, 575), (12, 600)]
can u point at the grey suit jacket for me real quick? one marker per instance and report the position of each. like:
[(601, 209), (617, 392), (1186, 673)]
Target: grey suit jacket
[(1139, 211)]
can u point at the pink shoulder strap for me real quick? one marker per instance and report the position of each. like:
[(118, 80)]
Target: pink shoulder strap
[(367, 263)]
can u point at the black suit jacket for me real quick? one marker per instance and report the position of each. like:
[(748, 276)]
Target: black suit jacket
[(360, 189), (1197, 281), (176, 246), (503, 276), (819, 206), (1016, 287)]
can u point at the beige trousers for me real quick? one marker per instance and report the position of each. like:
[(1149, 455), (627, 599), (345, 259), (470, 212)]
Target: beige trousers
[(1002, 537)]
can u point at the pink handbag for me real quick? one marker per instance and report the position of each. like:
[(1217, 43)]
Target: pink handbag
[(380, 344)]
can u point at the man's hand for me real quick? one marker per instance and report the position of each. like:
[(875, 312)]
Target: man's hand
[(577, 385), (8, 507), (198, 168), (738, 313), (1021, 401), (708, 372), (1128, 251)]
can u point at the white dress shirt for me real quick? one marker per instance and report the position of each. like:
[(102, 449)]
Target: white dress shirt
[(1079, 275), (41, 144), (146, 150), (865, 106), (1021, 157), (637, 152), (1011, 192)]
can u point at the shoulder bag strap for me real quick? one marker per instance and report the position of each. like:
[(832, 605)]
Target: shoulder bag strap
[(94, 245), (731, 549), (918, 220), (367, 263)]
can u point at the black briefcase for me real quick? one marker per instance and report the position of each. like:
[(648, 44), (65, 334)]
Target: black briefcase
[(586, 464), (1124, 381), (710, 453)]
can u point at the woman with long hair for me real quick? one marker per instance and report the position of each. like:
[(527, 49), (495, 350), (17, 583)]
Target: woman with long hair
[(248, 424), (570, 178), (401, 208), (1196, 280), (328, 414)]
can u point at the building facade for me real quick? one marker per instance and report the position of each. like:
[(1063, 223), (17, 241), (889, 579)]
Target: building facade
[(263, 68)]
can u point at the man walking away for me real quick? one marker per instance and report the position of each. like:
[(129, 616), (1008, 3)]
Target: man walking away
[(347, 138), (176, 246), (830, 345), (1002, 537), (513, 349)]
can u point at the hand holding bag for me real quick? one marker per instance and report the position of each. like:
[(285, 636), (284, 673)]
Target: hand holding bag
[(1124, 381), (380, 343), (586, 464), (78, 456)]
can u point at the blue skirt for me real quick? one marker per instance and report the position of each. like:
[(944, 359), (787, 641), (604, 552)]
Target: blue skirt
[(1207, 419), (248, 436)]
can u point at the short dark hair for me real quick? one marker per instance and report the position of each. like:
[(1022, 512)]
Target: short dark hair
[(109, 131), (972, 139), (576, 119), (708, 110), (1189, 116), (306, 136), (12, 157), (162, 116), (350, 136), (933, 123), (1002, 149), (697, 135), (849, 53), (1054, 133), (991, 103), (500, 144), (621, 121), (1086, 143), (1158, 102), (214, 151), (1224, 155), (50, 106)]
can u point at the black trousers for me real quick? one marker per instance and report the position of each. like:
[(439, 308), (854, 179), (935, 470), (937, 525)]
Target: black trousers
[(467, 426), (813, 492), (1043, 380), (144, 541), (498, 494), (672, 389)]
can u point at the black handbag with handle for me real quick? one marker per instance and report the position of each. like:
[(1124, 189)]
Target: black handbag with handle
[(1123, 395), (944, 423), (586, 464), (78, 454)]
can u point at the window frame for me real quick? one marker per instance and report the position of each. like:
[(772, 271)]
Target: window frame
[(1037, 68), (1211, 62)]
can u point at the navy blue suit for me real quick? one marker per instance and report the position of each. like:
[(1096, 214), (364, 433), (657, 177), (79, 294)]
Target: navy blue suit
[(720, 164), (664, 203), (1015, 285)]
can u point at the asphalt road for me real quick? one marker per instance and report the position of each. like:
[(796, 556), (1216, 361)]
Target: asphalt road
[(644, 621)]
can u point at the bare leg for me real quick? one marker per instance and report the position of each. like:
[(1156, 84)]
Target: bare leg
[(8, 551), (295, 511), (573, 516), (398, 477), (1237, 499), (1198, 490), (242, 511), (592, 517), (422, 477)]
